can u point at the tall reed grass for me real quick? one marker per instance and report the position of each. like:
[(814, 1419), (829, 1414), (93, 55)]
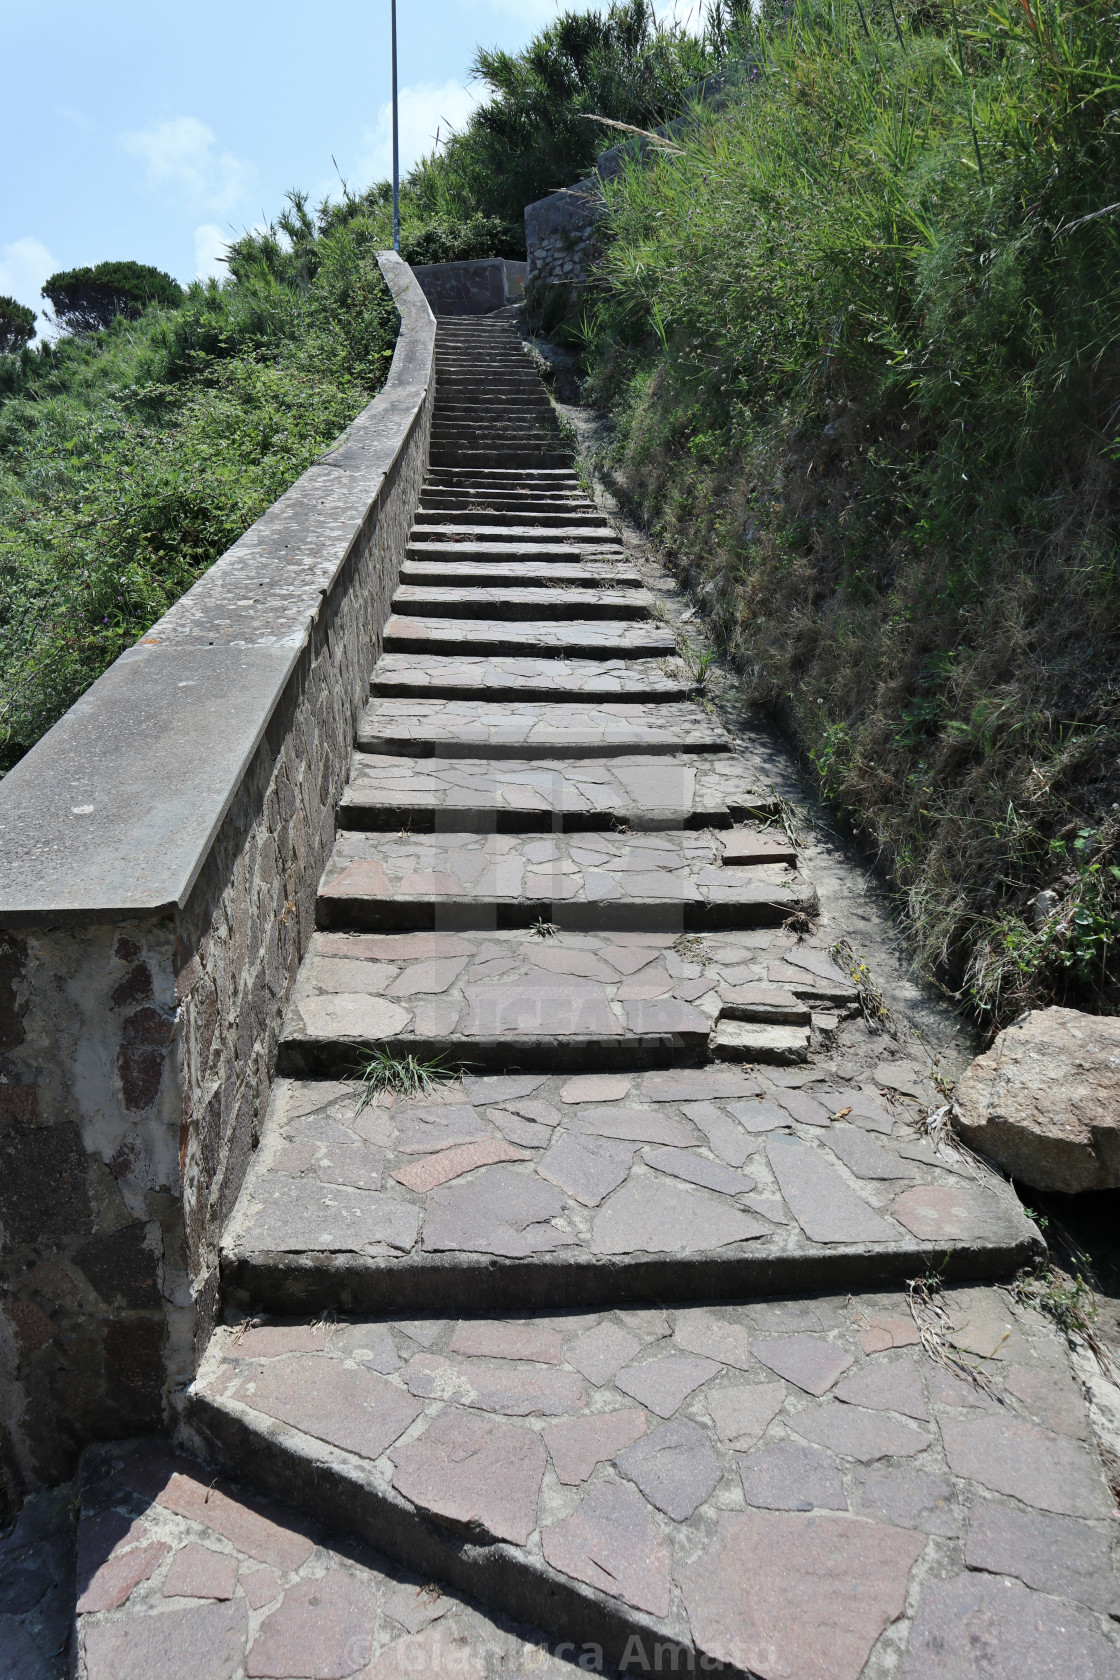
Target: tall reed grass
[(860, 338)]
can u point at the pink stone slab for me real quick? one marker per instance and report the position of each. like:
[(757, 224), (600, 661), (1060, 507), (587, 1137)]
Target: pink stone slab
[(577, 1445), (526, 1391), (496, 1339), (807, 1361), (461, 1158), (200, 1572), (472, 1471), (787, 1595), (611, 1542)]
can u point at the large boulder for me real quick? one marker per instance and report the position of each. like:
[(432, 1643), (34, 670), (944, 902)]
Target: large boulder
[(1044, 1101)]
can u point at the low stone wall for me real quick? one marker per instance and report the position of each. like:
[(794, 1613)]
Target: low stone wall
[(160, 850), (471, 288)]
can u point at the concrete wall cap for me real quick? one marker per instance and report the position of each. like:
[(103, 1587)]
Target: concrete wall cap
[(116, 808)]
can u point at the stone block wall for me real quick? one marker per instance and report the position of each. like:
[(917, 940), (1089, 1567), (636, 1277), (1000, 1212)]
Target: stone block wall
[(160, 850), (471, 288), (561, 234)]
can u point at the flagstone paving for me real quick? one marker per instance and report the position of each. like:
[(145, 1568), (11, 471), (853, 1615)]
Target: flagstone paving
[(638, 792), (610, 1326), (507, 728), (516, 676)]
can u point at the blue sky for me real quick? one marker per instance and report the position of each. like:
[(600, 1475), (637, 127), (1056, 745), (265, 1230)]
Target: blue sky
[(153, 132)]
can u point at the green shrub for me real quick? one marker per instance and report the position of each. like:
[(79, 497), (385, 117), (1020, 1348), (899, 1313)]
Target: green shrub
[(131, 459), (17, 325), (861, 340), (86, 299)]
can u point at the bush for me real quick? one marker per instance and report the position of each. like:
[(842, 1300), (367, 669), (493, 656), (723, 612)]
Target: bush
[(130, 460), (86, 299), (860, 337), (17, 325)]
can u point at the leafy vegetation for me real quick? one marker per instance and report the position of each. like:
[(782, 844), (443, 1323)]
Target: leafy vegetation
[(17, 325), (860, 338), (133, 456), (535, 131), (86, 299)]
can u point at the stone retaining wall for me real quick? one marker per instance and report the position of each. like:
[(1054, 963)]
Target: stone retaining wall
[(471, 288), (159, 854)]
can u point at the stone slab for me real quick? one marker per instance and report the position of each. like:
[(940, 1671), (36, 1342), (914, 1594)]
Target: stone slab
[(592, 1192), (523, 676), (586, 639), (492, 729), (581, 881)]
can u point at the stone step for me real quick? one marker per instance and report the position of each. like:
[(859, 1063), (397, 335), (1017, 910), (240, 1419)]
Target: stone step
[(483, 476), (422, 674), (445, 531), (674, 882), (547, 549), (517, 572), (448, 601), (447, 455), (186, 1574), (589, 640), (517, 515), (394, 791), (758, 1488), (516, 729), (507, 500), (543, 1191)]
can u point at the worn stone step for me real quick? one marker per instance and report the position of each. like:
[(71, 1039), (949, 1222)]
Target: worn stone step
[(517, 572), (546, 1191), (484, 476), (423, 674), (448, 601), (186, 1574), (445, 531), (451, 456), (671, 881), (589, 639), (489, 1002), (547, 549), (394, 791), (519, 514), (516, 729), (763, 1485)]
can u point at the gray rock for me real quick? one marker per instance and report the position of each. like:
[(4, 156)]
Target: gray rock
[(673, 1466), (1044, 1101)]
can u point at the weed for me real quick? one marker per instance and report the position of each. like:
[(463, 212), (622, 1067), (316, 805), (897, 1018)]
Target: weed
[(540, 929), (405, 1076)]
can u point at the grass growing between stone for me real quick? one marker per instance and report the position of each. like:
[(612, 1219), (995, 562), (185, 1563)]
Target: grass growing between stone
[(860, 341), (130, 459)]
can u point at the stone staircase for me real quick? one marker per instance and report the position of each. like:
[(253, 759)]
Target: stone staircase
[(610, 1331)]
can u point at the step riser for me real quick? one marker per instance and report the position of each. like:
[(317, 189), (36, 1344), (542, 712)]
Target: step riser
[(402, 689), (437, 640), (484, 819), (587, 535), (467, 1285), (450, 915), (629, 1053), (517, 610)]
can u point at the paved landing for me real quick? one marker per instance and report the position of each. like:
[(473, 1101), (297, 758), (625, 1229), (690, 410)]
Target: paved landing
[(786, 1487), (460, 728), (673, 880), (514, 677), (612, 639), (530, 1190), (638, 792)]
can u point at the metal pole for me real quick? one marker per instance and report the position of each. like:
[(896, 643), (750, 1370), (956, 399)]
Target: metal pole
[(396, 147)]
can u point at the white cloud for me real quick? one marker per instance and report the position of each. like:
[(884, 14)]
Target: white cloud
[(182, 154), (24, 265), (209, 248), (425, 110)]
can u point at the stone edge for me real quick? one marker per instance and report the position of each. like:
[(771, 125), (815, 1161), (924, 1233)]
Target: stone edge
[(195, 697)]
